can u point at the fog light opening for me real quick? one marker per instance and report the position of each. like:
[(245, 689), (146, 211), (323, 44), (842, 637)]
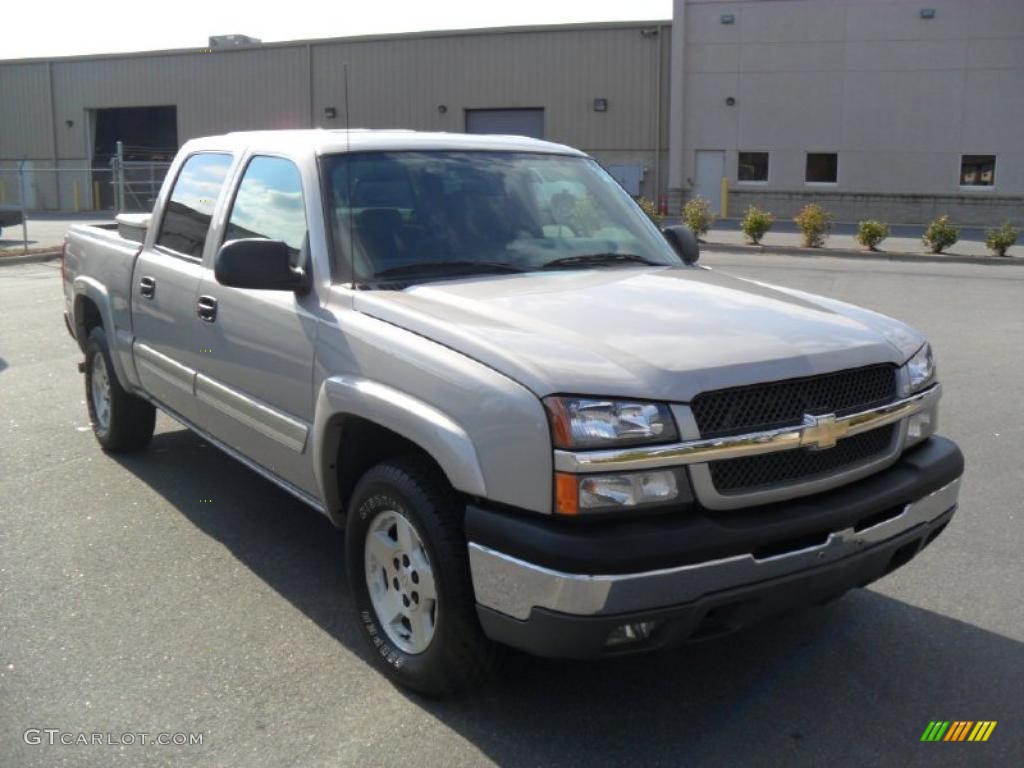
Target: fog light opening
[(631, 633)]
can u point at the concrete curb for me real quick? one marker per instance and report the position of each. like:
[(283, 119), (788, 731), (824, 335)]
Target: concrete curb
[(792, 250), (31, 258)]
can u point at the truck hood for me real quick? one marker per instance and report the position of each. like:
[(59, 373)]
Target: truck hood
[(661, 333)]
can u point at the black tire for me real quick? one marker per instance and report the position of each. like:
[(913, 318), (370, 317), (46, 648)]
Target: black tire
[(459, 656), (131, 421)]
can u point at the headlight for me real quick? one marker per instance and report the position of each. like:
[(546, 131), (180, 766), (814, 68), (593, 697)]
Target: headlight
[(921, 369), (620, 491), (578, 422)]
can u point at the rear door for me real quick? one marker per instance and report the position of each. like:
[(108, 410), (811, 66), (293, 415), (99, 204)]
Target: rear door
[(166, 279), (255, 382)]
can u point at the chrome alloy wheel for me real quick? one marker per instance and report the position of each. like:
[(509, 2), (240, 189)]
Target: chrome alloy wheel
[(100, 391), (400, 581)]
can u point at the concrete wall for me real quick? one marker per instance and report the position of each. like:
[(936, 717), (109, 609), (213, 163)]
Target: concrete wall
[(899, 98)]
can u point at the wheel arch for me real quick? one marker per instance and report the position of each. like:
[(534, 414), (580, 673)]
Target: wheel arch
[(91, 307), (360, 422)]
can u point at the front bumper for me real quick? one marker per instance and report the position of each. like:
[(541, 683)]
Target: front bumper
[(559, 590)]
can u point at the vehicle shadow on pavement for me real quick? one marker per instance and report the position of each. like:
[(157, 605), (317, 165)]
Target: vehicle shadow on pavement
[(854, 682)]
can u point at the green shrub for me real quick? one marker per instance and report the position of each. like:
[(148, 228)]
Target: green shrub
[(756, 224), (697, 215), (940, 235), (650, 208), (870, 233), (998, 240), (815, 223)]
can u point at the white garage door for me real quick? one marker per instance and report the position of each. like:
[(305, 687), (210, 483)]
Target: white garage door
[(511, 122)]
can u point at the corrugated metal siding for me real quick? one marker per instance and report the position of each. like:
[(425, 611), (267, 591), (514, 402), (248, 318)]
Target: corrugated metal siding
[(402, 82), (24, 112), (214, 92), (395, 82)]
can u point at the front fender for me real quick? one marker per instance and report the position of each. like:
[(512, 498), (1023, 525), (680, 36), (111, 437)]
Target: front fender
[(421, 423)]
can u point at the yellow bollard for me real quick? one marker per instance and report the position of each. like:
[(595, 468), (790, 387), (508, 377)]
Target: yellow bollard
[(95, 195), (725, 197), (77, 194)]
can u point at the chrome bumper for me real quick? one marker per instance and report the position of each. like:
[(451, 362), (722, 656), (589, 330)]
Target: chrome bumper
[(514, 587)]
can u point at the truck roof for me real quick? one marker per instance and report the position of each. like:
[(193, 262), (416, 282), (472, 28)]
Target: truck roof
[(328, 141)]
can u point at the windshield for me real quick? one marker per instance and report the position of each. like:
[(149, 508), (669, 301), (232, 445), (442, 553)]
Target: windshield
[(412, 216)]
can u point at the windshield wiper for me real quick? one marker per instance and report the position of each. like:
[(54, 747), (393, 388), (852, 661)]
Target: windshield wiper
[(597, 259), (443, 267)]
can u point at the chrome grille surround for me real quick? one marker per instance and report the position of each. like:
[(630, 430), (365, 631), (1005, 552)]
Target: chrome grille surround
[(695, 451)]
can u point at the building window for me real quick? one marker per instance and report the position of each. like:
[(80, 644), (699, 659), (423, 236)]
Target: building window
[(977, 170), (822, 168), (753, 166)]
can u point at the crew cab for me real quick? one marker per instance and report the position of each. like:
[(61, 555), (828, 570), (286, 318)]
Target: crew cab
[(540, 421)]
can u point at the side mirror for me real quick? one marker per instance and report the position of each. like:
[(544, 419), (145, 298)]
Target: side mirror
[(258, 263), (683, 242)]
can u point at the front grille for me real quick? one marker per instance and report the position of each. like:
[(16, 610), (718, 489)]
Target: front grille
[(784, 403), (754, 473)]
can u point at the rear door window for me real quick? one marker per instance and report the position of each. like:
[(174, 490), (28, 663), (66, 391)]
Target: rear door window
[(189, 210)]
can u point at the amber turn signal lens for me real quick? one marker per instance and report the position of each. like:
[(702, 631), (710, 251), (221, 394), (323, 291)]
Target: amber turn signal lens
[(561, 426), (567, 497)]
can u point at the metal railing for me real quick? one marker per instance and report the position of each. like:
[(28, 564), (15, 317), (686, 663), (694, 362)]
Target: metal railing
[(136, 183), (113, 184)]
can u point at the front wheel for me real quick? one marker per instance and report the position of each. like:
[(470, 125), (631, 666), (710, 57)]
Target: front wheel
[(120, 421), (409, 572)]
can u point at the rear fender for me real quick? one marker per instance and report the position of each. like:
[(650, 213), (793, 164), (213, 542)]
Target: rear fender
[(84, 290)]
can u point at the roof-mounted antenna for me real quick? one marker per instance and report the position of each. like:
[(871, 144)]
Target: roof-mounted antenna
[(348, 182)]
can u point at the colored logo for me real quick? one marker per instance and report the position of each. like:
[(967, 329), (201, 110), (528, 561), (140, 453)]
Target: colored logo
[(958, 730)]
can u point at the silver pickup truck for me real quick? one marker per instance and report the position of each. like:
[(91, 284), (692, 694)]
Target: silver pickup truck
[(541, 423)]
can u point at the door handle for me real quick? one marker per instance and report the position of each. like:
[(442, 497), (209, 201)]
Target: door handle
[(147, 287), (206, 308)]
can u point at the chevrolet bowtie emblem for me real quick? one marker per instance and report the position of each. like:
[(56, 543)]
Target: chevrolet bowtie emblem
[(821, 432)]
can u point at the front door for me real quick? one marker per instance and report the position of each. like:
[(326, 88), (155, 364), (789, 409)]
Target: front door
[(710, 170), (254, 387), (166, 278)]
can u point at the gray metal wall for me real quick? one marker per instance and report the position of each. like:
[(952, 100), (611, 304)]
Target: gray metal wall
[(899, 97), (395, 81)]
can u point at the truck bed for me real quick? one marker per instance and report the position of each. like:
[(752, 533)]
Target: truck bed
[(98, 254)]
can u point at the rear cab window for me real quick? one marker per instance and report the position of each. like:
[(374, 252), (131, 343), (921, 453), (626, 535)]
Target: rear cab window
[(189, 210)]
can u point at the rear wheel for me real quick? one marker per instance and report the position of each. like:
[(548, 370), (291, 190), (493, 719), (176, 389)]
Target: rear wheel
[(409, 572), (120, 421)]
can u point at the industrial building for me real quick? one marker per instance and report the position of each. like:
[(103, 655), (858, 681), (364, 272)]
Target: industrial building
[(876, 108)]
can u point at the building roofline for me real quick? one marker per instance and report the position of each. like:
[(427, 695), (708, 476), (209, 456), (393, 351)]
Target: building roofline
[(313, 42)]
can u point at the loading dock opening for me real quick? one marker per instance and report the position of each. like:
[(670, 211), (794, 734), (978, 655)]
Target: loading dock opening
[(147, 135)]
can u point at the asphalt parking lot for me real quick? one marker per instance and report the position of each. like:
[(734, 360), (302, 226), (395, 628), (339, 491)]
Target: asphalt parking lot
[(130, 604)]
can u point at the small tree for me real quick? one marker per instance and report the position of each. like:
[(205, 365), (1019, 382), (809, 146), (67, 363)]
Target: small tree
[(815, 223), (756, 224), (870, 233), (940, 235), (999, 240), (651, 209), (697, 215)]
